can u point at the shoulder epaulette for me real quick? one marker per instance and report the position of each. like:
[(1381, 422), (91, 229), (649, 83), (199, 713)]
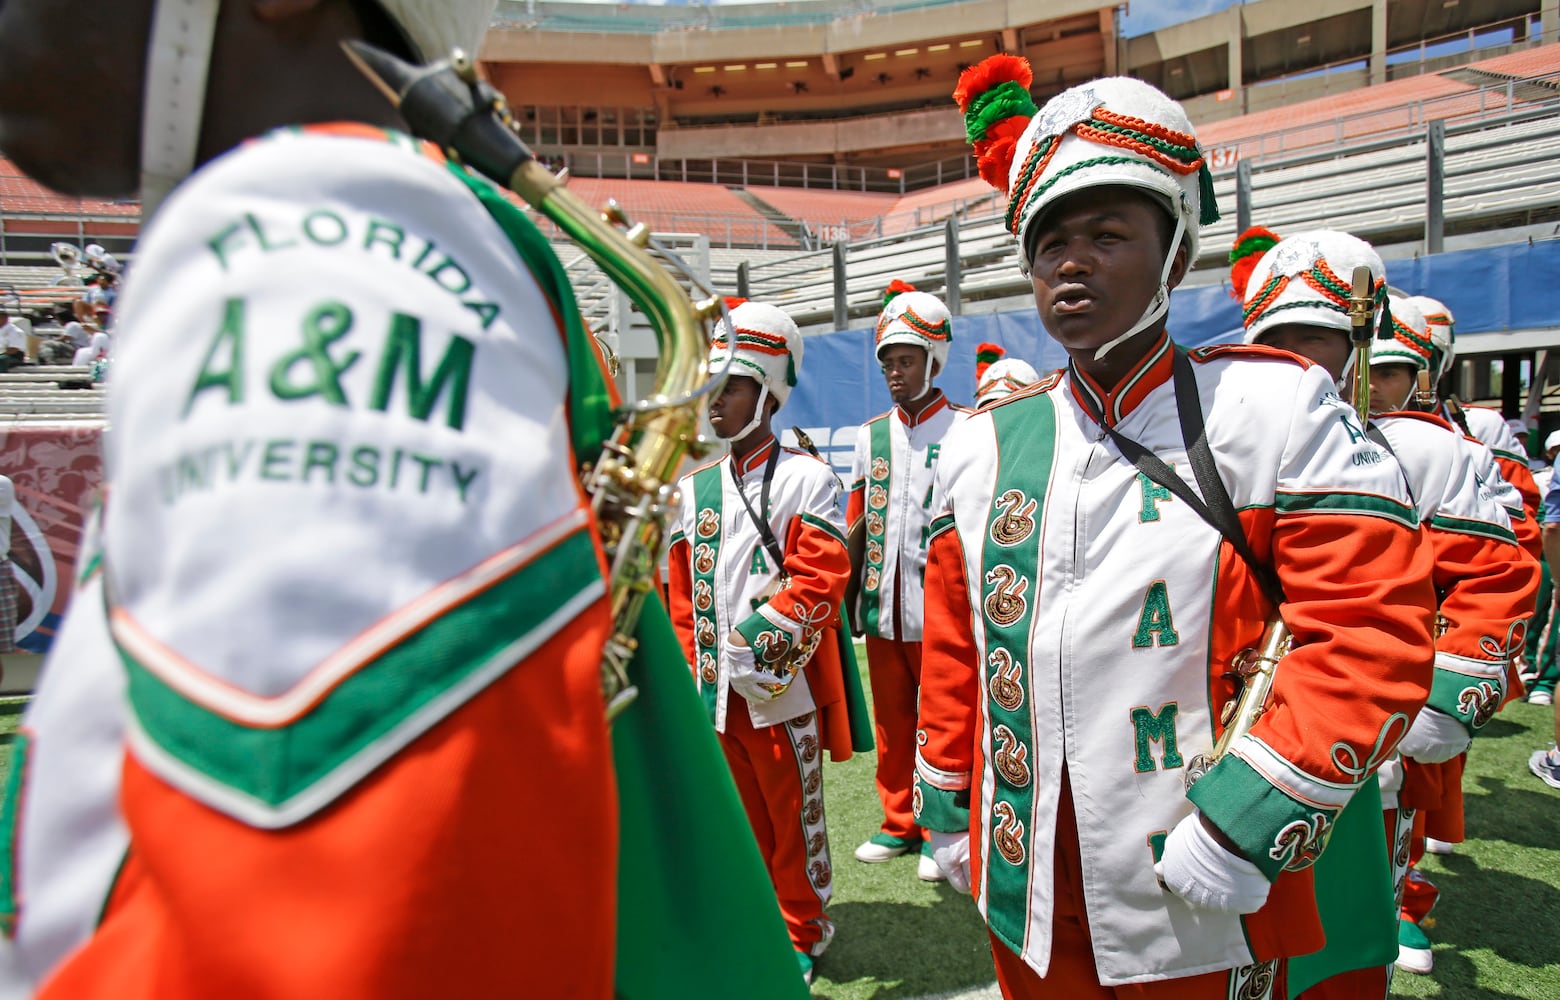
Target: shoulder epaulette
[(1429, 418), (706, 465), (799, 453), (1045, 385), (1253, 351)]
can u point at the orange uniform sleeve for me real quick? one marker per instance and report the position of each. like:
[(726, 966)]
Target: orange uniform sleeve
[(949, 728), (679, 594)]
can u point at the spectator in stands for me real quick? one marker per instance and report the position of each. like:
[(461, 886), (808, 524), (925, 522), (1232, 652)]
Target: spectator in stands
[(73, 332), (13, 344), (94, 352), (55, 347), (96, 299), (85, 315)]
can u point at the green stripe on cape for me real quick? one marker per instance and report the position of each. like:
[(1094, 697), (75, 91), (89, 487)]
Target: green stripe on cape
[(1353, 896)]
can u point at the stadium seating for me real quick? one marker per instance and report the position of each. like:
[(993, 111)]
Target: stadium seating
[(678, 207), (38, 394)]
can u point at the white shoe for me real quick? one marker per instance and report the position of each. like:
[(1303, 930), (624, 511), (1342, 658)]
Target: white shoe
[(881, 848), (927, 871), (1413, 949), (1419, 961), (1433, 846), (1541, 698)]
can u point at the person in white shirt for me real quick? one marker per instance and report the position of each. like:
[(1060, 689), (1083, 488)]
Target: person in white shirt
[(94, 352), (13, 344)]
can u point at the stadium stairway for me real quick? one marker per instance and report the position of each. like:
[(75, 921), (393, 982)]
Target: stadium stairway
[(791, 227), (1522, 88)]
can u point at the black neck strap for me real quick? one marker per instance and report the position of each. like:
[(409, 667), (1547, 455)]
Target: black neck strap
[(762, 523), (1214, 506)]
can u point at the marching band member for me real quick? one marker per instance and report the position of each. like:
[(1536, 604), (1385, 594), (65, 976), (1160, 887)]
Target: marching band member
[(889, 513), (998, 376), (1485, 582), (1082, 607), (342, 652), (1443, 824), (1486, 601), (1481, 423), (757, 572)]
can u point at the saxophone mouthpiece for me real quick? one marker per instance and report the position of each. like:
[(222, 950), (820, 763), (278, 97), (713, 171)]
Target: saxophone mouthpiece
[(392, 75), (445, 103), (1361, 305)]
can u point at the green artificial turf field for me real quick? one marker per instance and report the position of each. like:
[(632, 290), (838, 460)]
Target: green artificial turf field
[(1497, 930), (1496, 936)]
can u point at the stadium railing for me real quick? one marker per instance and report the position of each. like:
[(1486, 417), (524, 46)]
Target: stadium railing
[(1498, 173)]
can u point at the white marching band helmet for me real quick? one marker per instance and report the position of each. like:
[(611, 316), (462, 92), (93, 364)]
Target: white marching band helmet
[(1111, 131), (761, 342), (1004, 378), (919, 319), (1443, 334)]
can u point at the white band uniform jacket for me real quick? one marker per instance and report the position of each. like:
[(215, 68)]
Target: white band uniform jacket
[(718, 556), (1081, 617), (1486, 582), (891, 494)]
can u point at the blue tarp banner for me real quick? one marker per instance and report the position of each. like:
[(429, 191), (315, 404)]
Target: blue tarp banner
[(1489, 291)]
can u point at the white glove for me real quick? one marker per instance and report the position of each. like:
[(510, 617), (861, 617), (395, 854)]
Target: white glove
[(756, 682), (1434, 737), (951, 851), (1197, 868)]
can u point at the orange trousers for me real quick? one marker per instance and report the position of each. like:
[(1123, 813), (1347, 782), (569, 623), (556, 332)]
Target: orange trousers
[(779, 774), (1072, 974), (895, 669)]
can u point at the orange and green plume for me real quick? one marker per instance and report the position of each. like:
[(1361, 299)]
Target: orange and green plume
[(994, 96), (894, 288), (986, 355), (1248, 249)]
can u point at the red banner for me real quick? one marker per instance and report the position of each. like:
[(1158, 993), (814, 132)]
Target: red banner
[(57, 470)]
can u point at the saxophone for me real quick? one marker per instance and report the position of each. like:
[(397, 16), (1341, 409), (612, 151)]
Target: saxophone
[(632, 484), (1255, 667)]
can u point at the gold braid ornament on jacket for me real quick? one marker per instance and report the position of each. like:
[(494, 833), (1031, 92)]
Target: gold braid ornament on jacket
[(632, 483)]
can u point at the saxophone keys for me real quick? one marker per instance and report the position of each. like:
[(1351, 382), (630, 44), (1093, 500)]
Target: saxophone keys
[(1227, 712)]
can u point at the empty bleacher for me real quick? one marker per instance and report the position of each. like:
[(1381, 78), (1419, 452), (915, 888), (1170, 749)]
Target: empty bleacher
[(1499, 173), (62, 393), (686, 207), (1473, 91)]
